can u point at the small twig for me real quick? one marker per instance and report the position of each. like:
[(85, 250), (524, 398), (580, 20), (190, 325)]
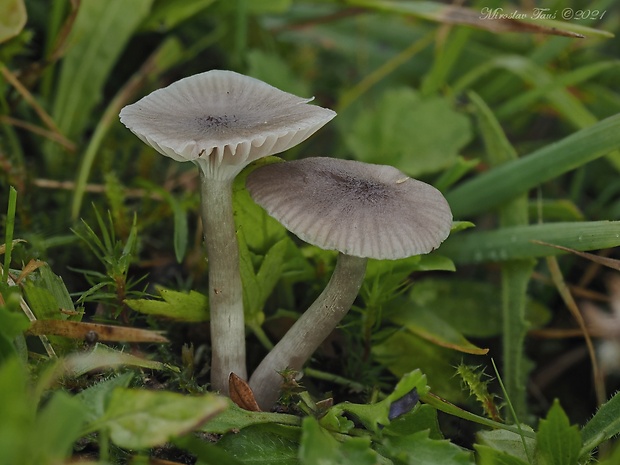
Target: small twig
[(594, 268), (54, 136), (341, 14), (384, 70), (94, 188), (336, 379), (28, 97), (577, 291), (61, 39), (564, 333), (558, 279)]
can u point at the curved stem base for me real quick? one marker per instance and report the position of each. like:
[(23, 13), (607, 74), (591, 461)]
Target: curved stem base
[(310, 330)]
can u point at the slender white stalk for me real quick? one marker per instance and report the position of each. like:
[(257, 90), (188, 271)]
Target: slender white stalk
[(225, 288), (310, 330)]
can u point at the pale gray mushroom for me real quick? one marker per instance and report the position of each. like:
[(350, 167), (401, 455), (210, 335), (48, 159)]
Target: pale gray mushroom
[(222, 121), (359, 209)]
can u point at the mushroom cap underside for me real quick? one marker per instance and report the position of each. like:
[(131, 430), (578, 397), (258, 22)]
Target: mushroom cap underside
[(231, 118)]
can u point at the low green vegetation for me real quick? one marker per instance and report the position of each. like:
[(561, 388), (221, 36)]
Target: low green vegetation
[(498, 347)]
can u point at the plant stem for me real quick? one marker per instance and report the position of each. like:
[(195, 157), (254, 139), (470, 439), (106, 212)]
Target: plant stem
[(225, 289), (8, 233), (318, 374), (310, 330)]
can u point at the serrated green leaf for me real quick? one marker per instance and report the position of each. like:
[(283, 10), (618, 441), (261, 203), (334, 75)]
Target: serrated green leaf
[(515, 277), (96, 397), (318, 446), (332, 420), (419, 449), (604, 425), (251, 288), (103, 356), (271, 268), (375, 416), (258, 285), (264, 444), (402, 131), (557, 443), (235, 418), (138, 419), (181, 306)]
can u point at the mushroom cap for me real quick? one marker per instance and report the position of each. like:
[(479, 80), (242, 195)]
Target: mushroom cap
[(359, 209), (224, 118)]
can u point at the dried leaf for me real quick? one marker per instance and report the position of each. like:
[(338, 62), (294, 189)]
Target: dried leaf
[(241, 393), (93, 331), (608, 262), (29, 268)]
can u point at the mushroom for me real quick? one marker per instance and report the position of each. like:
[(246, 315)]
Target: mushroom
[(359, 209), (222, 121)]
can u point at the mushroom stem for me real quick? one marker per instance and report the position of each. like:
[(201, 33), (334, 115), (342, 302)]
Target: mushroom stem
[(310, 330), (225, 288)]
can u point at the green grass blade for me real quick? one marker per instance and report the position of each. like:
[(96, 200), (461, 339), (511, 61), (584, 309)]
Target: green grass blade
[(511, 179), (451, 409), (99, 35), (8, 233), (515, 273), (522, 101), (517, 242)]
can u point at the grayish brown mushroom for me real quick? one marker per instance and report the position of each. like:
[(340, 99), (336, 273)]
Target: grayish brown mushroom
[(361, 210), (222, 121)]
